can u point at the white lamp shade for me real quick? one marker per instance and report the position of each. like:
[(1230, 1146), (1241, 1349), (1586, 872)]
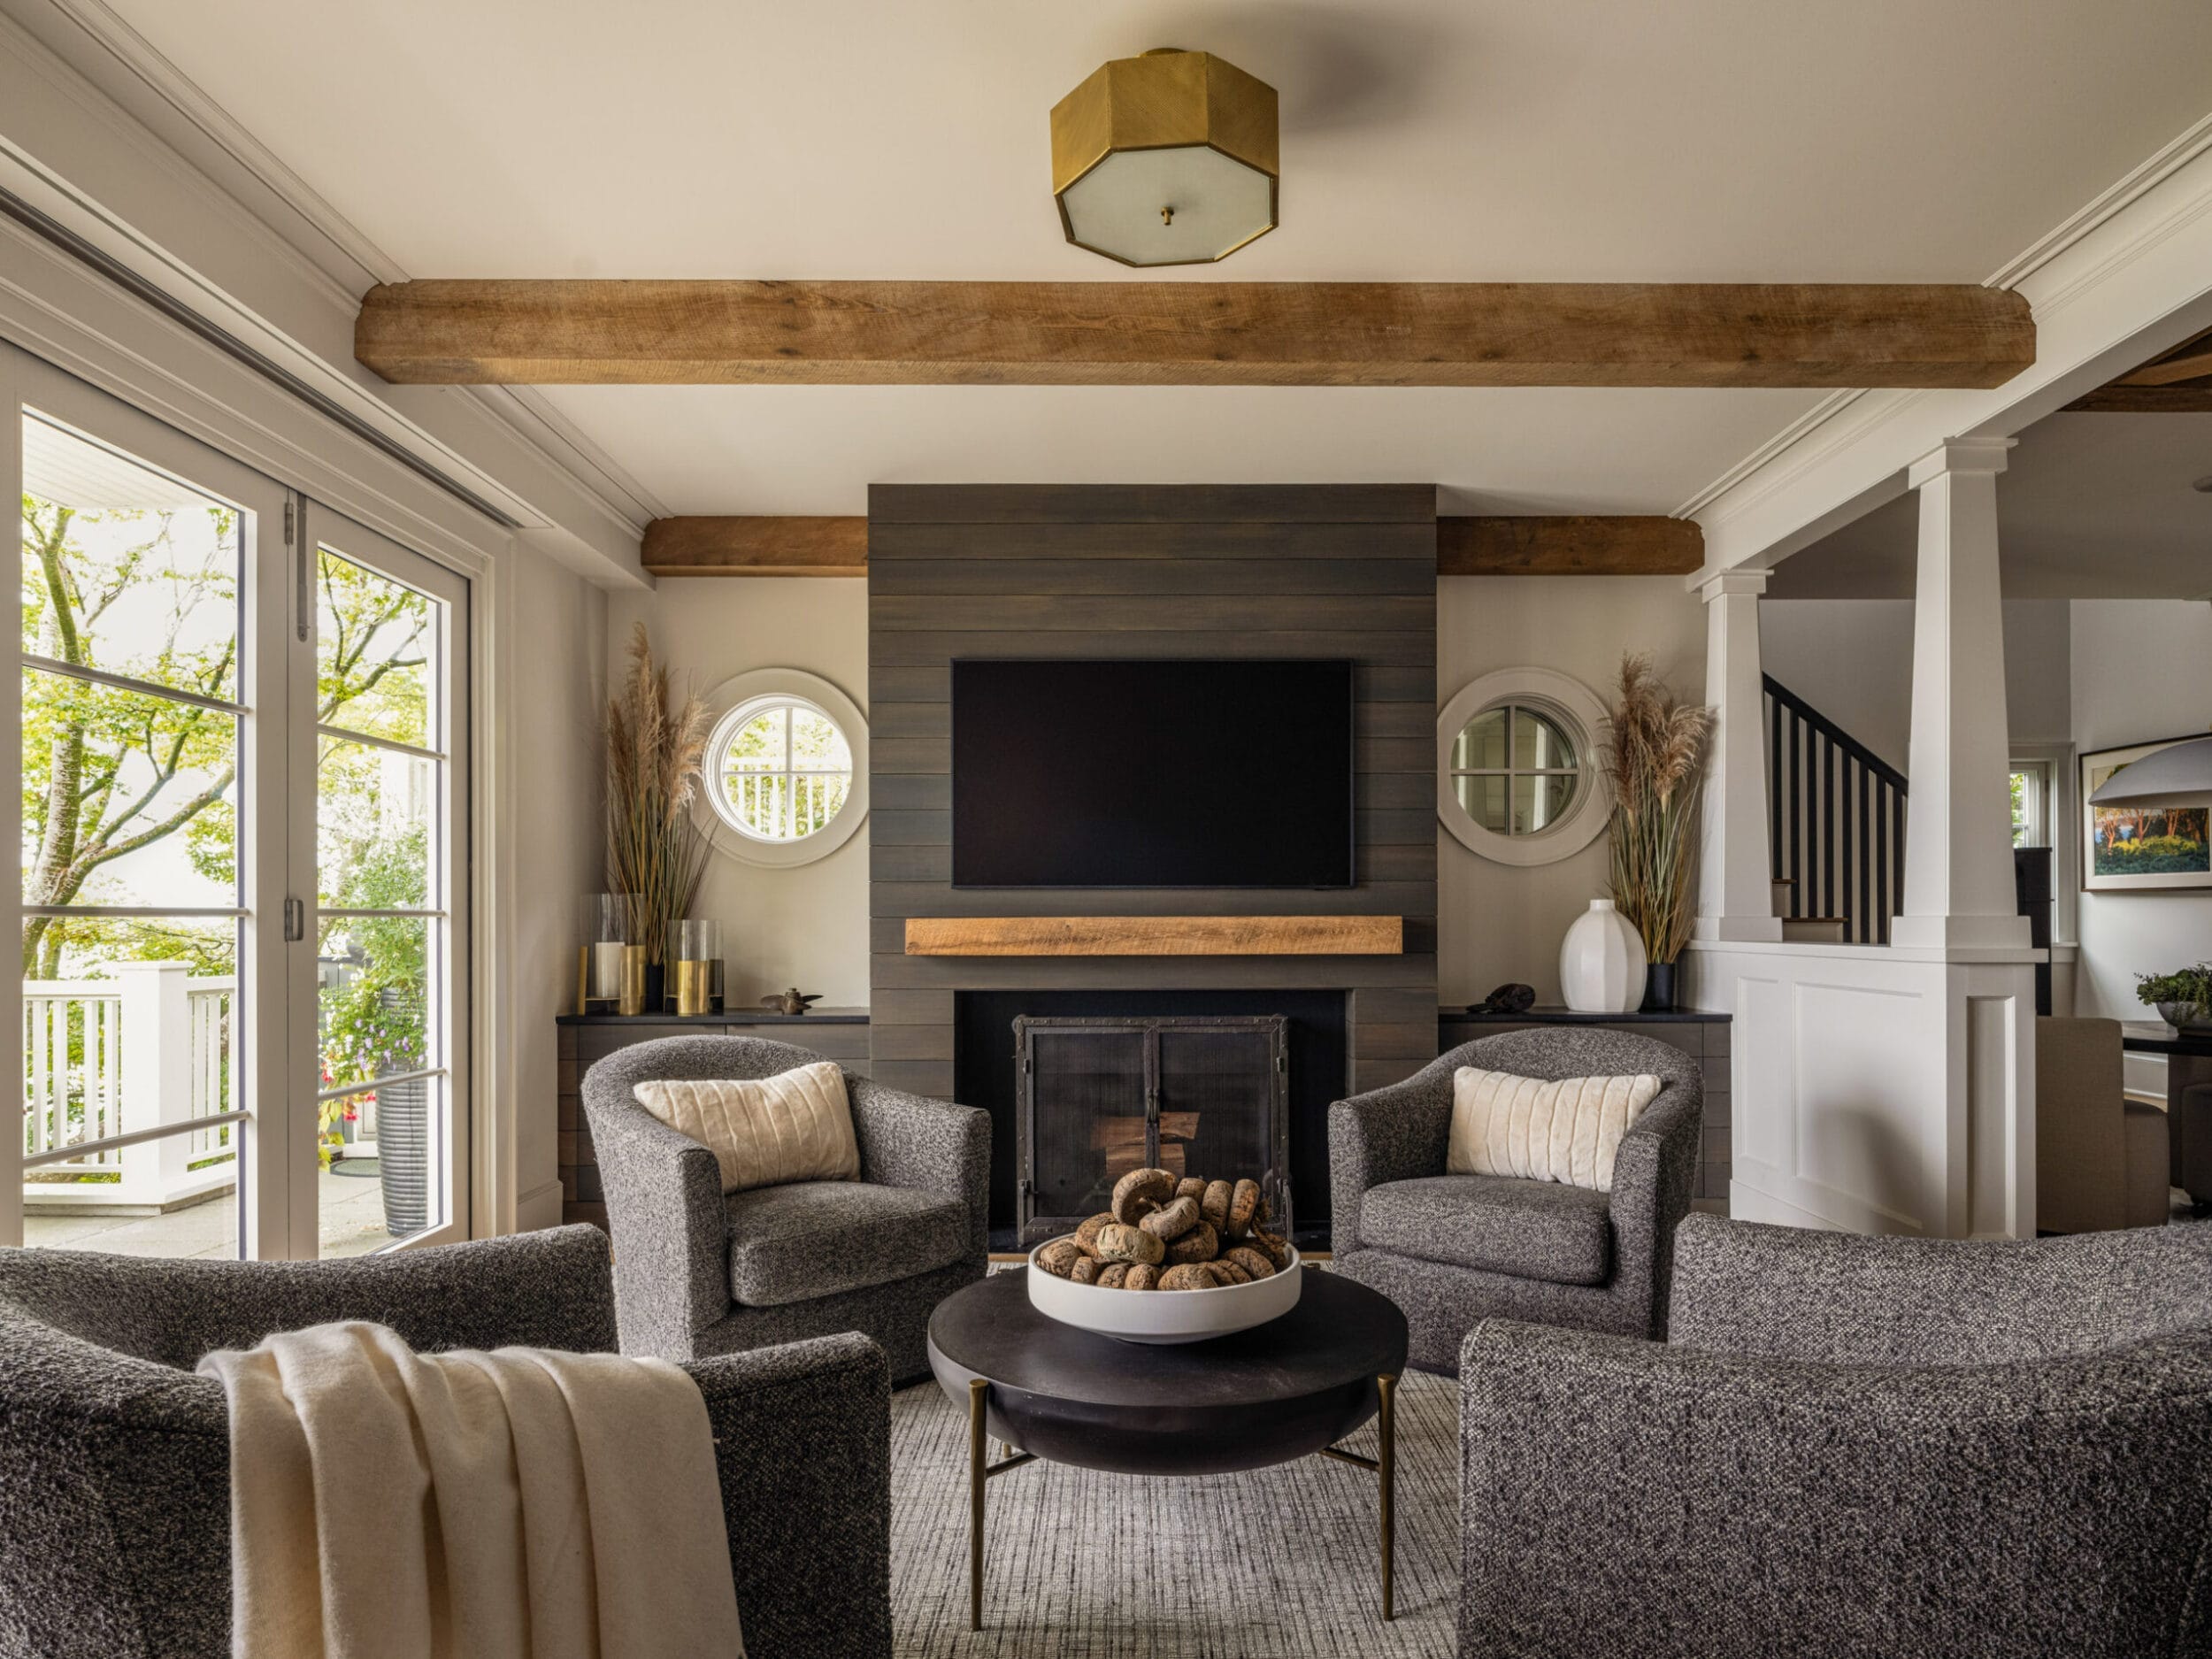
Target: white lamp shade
[(2177, 775)]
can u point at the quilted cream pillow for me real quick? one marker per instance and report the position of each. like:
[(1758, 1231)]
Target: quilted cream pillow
[(765, 1132), (1565, 1130)]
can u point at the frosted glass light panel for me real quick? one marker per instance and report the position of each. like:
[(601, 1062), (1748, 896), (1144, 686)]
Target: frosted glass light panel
[(782, 769), (1185, 205), (1515, 769)]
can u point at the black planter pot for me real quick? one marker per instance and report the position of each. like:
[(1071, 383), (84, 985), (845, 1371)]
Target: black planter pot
[(1659, 988), (657, 988)]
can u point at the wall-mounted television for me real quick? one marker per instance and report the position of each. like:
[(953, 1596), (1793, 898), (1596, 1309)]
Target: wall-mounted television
[(1132, 774)]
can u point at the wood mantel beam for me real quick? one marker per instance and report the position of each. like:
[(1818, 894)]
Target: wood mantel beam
[(1621, 545), (1194, 333)]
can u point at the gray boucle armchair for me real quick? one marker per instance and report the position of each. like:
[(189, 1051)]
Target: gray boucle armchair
[(1854, 1448), (1452, 1250), (115, 1456), (698, 1272)]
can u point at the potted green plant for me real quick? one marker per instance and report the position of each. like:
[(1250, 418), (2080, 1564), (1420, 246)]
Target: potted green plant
[(1654, 750), (2182, 1000)]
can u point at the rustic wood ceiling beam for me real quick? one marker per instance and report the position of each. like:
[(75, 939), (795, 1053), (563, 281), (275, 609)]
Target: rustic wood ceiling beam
[(757, 547), (1623, 545), (1194, 333), (2144, 400), (1619, 545)]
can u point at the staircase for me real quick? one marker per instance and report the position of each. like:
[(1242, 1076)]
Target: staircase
[(1836, 813)]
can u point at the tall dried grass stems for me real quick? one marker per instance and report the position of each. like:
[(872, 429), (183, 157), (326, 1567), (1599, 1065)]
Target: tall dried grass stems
[(1653, 749), (656, 853)]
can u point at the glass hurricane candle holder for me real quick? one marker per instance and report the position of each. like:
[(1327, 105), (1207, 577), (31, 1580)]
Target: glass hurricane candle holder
[(694, 957), (603, 920)]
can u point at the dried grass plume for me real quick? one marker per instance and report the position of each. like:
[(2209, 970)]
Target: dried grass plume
[(1653, 753), (656, 853)]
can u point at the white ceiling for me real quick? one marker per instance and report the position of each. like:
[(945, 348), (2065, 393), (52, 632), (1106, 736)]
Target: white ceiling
[(2090, 506), (1707, 140)]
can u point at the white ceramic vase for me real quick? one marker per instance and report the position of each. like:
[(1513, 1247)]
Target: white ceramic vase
[(1602, 963)]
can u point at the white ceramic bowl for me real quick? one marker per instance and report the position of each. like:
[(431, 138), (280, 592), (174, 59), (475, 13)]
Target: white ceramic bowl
[(1163, 1316)]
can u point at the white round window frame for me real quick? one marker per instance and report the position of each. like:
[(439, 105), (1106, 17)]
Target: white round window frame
[(791, 685), (1565, 699)]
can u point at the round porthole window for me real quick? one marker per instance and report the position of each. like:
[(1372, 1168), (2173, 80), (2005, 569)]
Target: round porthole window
[(1516, 766), (784, 768)]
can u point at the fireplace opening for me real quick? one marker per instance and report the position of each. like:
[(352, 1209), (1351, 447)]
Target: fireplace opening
[(1157, 1076)]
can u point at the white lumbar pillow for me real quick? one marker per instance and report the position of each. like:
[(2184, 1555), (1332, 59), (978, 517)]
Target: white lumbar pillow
[(1567, 1130), (765, 1132)]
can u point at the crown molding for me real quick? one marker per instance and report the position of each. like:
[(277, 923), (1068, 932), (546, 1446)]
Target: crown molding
[(2116, 198), (2127, 276), (206, 215)]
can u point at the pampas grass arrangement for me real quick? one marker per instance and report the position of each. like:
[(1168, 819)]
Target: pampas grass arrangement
[(656, 853), (1653, 749)]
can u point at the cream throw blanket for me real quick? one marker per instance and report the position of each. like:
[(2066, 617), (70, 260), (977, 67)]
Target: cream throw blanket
[(521, 1504)]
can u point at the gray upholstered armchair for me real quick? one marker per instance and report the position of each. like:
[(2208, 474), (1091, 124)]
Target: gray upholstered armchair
[(697, 1272), (115, 1456), (1452, 1250), (1854, 1448)]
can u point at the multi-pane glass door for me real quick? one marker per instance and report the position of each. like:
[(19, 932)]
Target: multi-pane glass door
[(390, 741), (209, 719)]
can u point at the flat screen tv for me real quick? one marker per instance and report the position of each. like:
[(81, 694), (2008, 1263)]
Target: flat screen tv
[(1151, 774)]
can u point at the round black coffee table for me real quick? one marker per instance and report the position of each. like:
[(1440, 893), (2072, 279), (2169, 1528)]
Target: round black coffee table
[(1285, 1389)]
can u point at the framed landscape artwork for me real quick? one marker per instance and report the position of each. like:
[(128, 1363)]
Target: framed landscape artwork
[(2139, 845)]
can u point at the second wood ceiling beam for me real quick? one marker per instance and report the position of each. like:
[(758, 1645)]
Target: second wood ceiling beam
[(1599, 545), (1194, 334)]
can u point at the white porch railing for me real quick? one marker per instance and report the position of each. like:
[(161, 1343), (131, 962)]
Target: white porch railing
[(102, 1058)]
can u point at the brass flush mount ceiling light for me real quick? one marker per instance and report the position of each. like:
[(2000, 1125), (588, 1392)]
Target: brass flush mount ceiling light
[(1169, 158)]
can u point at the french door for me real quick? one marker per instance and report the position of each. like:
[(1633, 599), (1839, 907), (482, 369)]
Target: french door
[(239, 1013)]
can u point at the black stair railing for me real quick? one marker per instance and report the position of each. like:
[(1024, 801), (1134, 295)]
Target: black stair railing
[(1836, 814)]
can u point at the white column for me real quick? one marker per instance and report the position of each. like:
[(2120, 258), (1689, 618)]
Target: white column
[(156, 1075), (1958, 815), (1735, 898)]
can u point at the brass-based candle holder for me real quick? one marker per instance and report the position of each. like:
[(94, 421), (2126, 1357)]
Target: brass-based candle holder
[(694, 967), (632, 998), (606, 920)]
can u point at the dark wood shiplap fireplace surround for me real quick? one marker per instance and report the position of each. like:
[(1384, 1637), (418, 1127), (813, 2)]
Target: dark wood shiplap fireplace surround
[(1175, 572)]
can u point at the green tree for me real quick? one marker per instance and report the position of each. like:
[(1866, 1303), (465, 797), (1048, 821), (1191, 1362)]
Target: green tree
[(86, 802), (107, 772)]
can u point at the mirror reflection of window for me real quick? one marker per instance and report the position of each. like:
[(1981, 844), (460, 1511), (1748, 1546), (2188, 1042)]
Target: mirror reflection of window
[(1515, 769)]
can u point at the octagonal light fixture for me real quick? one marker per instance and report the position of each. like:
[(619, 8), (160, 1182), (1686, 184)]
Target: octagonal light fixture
[(1170, 158)]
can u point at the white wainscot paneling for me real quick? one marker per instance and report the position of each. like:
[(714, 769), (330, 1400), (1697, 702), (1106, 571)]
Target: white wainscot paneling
[(1876, 1090), (1869, 1124)]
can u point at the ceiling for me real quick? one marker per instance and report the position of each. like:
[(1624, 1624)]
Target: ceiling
[(1591, 140), (2091, 506)]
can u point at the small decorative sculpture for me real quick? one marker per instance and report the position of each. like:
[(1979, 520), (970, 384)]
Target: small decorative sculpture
[(791, 1001), (1507, 999)]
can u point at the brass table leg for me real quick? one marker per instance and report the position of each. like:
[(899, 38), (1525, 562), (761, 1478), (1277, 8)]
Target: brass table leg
[(1386, 1471), (980, 1470), (1384, 1466), (977, 1390)]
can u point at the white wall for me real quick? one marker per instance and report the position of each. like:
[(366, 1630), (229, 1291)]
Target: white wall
[(810, 923), (1496, 923), (560, 627), (806, 926), (2142, 670), (1852, 660)]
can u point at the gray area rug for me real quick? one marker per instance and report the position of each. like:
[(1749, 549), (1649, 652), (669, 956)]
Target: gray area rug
[(1279, 1563)]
